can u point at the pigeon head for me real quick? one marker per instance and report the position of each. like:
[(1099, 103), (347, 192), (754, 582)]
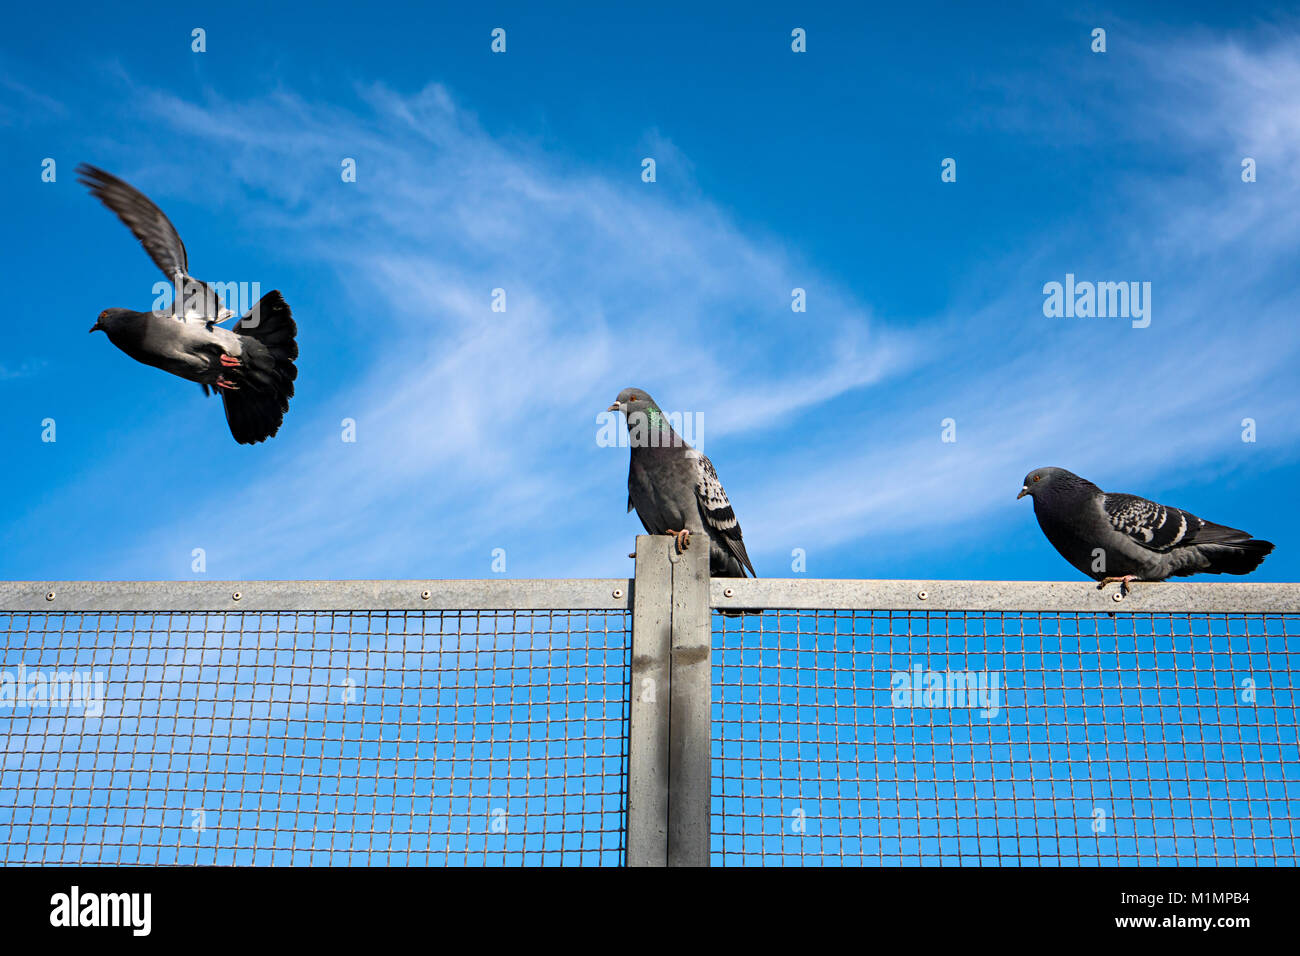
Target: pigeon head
[(633, 400), (110, 320), (1043, 482), (647, 425)]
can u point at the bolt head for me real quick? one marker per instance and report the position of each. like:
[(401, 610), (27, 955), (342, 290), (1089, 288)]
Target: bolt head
[(618, 592), (1117, 597), (238, 595), (729, 592), (49, 595), (426, 594), (922, 594)]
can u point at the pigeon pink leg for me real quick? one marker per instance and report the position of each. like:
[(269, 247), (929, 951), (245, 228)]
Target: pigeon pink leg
[(1123, 582)]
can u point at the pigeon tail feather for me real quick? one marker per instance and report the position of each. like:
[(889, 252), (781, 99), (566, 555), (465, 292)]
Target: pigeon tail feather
[(255, 411), (1239, 557)]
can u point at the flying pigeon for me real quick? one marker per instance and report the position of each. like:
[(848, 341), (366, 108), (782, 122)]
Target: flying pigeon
[(675, 489), (251, 363), (1114, 537)]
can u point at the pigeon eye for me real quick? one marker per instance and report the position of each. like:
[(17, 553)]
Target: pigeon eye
[(1037, 477)]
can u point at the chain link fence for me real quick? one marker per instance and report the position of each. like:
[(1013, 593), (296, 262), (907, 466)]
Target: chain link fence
[(550, 722), (959, 738), (357, 738)]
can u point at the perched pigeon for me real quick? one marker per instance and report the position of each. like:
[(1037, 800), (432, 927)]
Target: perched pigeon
[(674, 488), (1123, 538), (251, 363)]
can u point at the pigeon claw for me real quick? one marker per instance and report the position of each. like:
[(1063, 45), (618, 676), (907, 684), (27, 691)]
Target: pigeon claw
[(223, 382), (1122, 581), (229, 361), (682, 538)]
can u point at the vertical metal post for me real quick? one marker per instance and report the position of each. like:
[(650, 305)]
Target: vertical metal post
[(647, 755), (690, 718)]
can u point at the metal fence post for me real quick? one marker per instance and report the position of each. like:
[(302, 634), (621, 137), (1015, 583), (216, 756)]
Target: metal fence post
[(690, 719), (669, 738), (647, 753)]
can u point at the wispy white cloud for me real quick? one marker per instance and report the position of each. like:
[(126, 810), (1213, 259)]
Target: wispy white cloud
[(23, 100), (1135, 409), (22, 369), (477, 428)]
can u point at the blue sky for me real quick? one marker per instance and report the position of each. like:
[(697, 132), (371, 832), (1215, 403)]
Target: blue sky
[(477, 430)]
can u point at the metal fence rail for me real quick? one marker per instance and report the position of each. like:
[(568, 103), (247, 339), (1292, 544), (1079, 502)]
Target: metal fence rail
[(643, 721)]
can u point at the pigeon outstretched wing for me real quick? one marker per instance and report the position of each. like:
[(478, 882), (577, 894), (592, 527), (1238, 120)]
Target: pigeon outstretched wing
[(139, 214), (159, 237)]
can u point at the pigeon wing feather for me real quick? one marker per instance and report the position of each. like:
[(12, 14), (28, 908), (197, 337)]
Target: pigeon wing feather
[(139, 214), (155, 231), (1160, 527), (716, 511)]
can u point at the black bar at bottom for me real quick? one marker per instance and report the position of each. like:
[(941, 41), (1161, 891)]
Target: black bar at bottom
[(331, 906)]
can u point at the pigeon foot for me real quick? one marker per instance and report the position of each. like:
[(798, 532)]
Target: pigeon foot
[(223, 382), (229, 361), (1123, 583), (683, 539)]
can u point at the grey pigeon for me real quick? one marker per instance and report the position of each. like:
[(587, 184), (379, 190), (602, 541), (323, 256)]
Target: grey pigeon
[(1116, 537), (251, 364), (675, 489)]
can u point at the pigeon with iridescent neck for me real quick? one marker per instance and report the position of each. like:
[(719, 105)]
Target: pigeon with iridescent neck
[(675, 489), (1115, 537)]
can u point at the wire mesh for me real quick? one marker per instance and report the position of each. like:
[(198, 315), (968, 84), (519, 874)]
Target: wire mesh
[(933, 738), (500, 737), (355, 738)]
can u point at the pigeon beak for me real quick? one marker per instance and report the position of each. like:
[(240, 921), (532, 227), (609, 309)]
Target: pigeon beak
[(95, 327), (1023, 491), (613, 408)]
